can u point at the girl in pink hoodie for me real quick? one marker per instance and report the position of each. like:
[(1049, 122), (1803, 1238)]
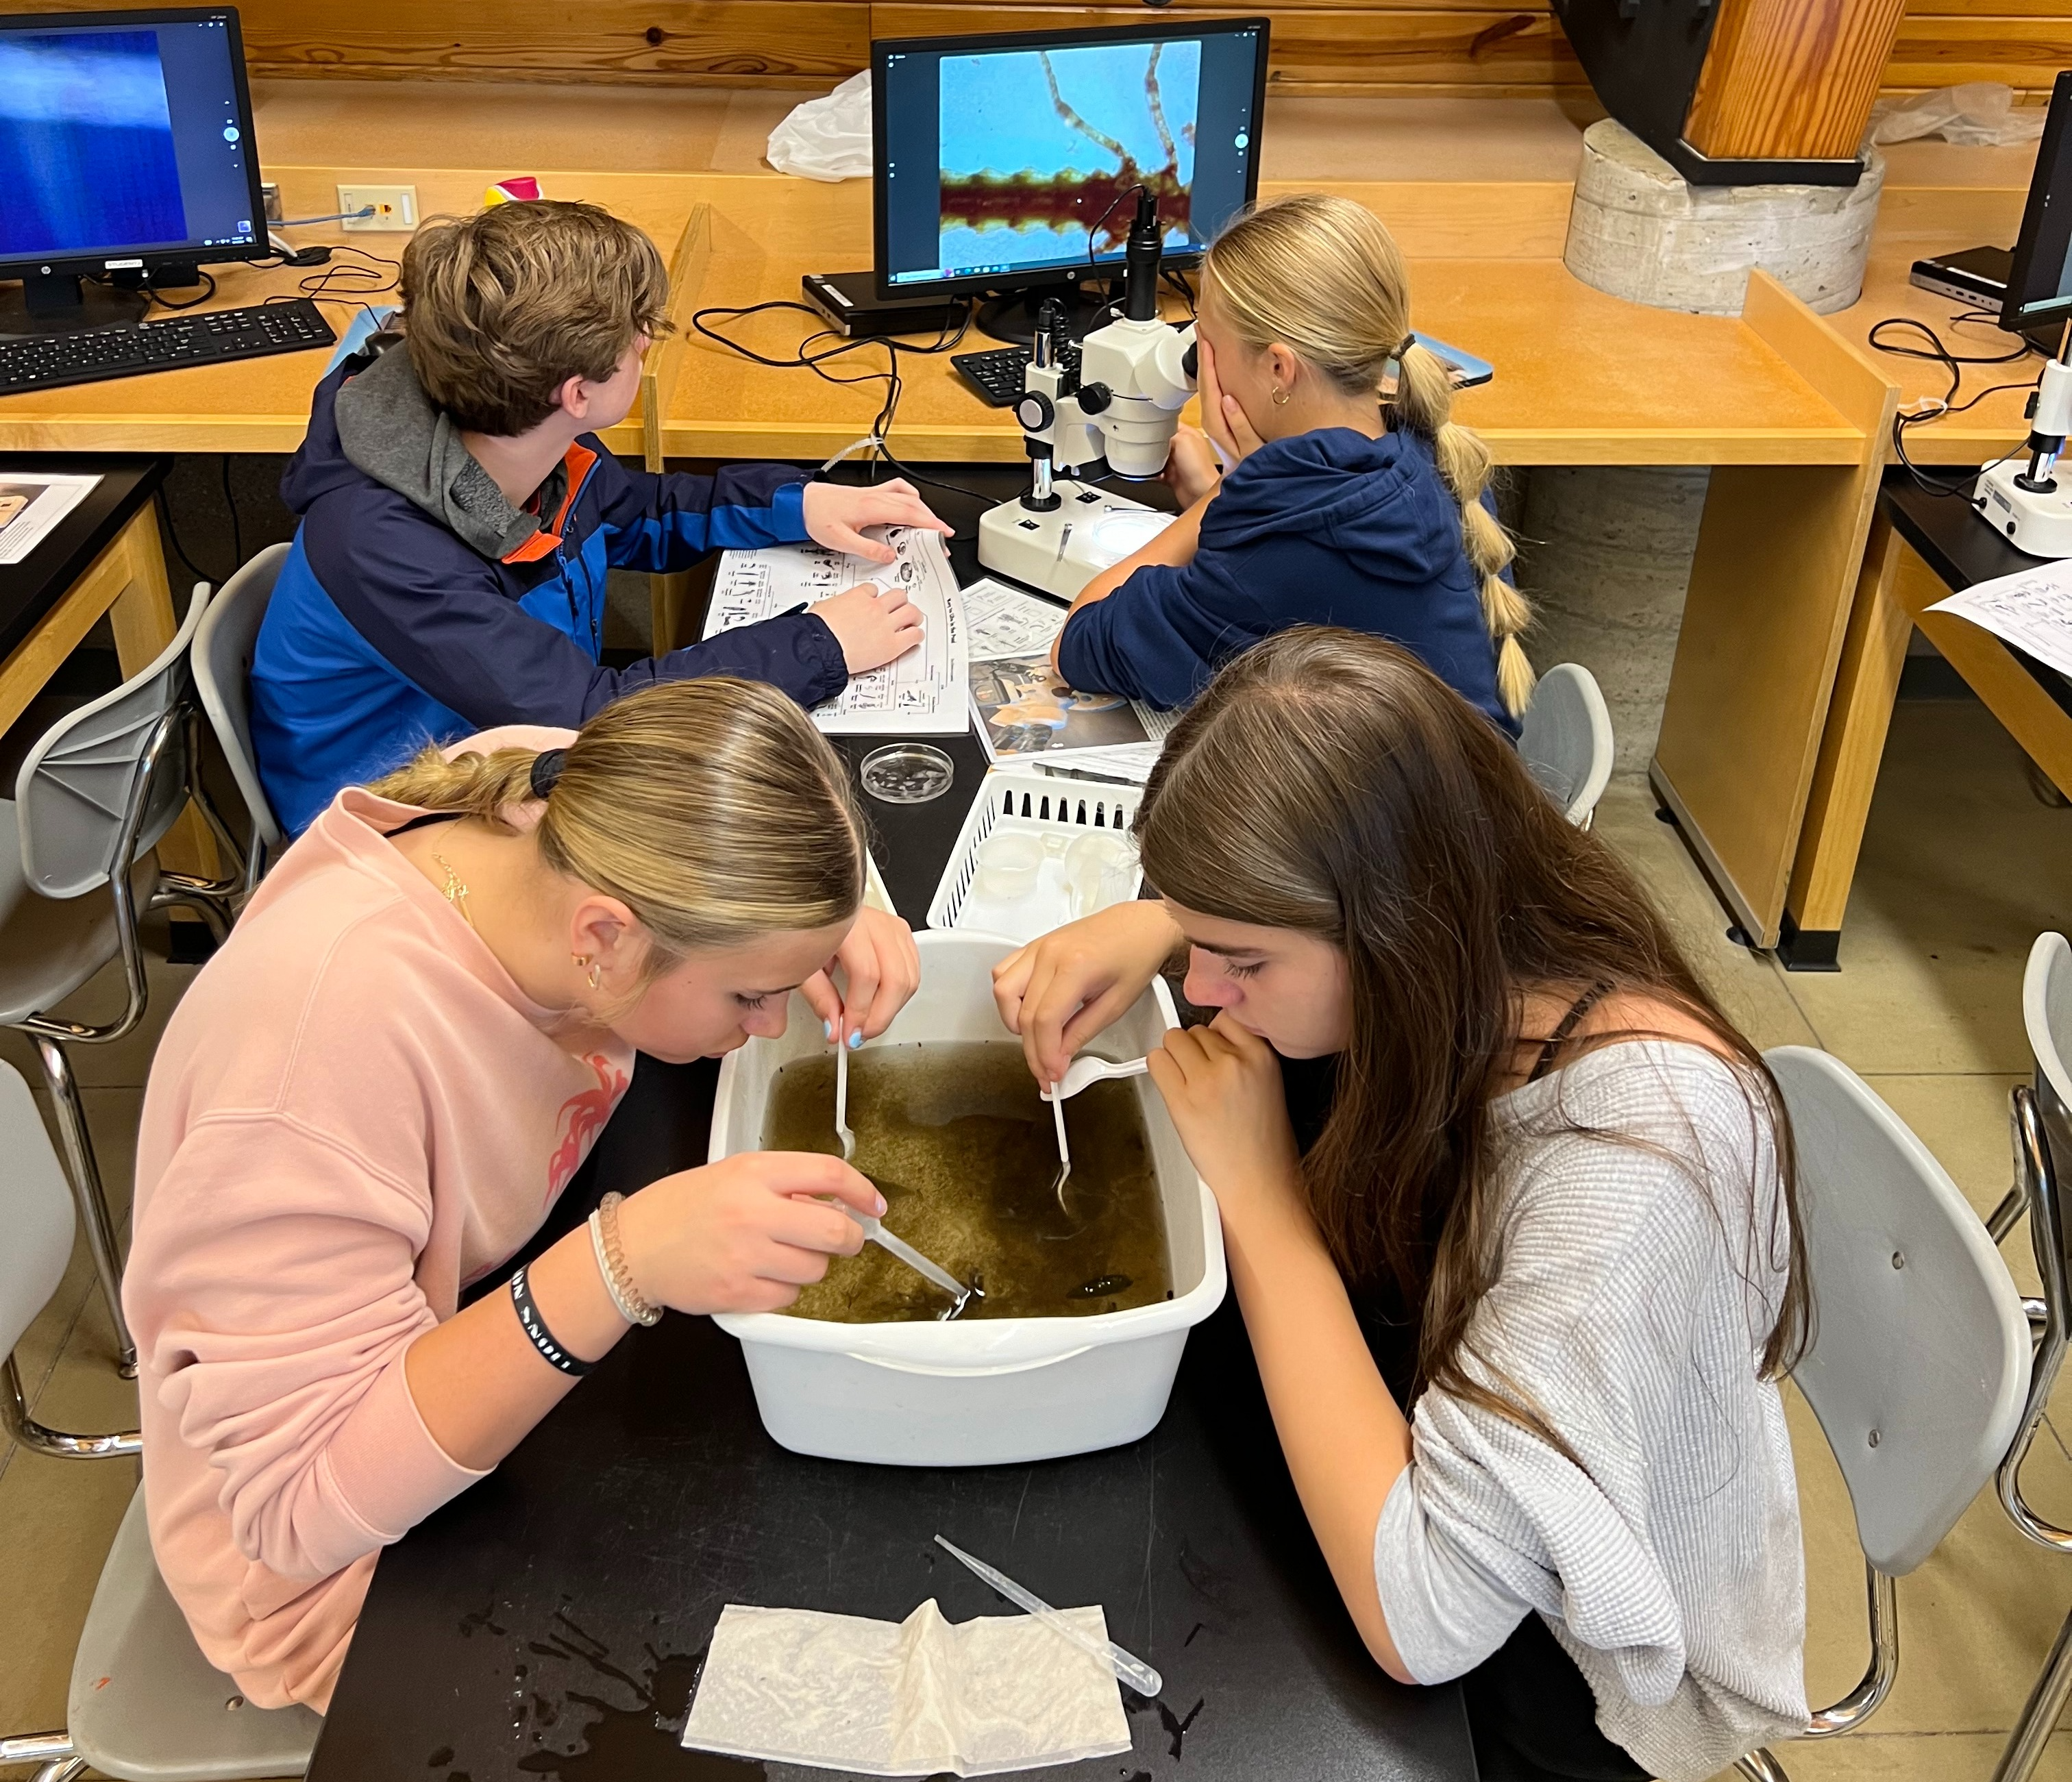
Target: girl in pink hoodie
[(374, 1093)]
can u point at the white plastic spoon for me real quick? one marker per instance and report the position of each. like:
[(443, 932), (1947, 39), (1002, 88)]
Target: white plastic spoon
[(842, 1103), (1090, 1069)]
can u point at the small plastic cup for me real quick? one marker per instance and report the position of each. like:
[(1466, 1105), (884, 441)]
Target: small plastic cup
[(1097, 872), (1007, 865)]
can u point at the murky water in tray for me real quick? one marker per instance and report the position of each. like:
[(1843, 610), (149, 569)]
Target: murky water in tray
[(962, 1149)]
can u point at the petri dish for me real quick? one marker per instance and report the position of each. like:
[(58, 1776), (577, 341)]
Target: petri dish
[(907, 773)]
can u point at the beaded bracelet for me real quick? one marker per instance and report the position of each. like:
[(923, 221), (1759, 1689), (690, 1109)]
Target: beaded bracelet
[(535, 1328), (611, 1264)]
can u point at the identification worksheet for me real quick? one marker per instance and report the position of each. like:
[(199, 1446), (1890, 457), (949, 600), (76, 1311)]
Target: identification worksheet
[(921, 694), (2031, 609)]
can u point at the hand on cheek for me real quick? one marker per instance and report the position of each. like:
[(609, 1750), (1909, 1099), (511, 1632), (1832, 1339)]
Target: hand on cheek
[(1221, 1087)]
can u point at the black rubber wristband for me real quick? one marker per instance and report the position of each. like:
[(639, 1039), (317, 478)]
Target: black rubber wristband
[(535, 1327)]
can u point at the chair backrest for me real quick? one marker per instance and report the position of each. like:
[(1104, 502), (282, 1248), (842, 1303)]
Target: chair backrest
[(223, 669), (74, 790), (1919, 1365), (1566, 739), (35, 1212), (2046, 1011)]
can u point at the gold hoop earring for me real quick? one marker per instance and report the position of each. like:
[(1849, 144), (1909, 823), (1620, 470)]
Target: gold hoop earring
[(1280, 397), (580, 960)]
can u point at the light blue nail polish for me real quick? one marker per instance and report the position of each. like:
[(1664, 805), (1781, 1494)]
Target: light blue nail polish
[(827, 1029), (856, 1040)]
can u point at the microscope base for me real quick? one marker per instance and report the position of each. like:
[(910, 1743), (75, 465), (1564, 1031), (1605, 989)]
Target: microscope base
[(2040, 524), (1061, 551)]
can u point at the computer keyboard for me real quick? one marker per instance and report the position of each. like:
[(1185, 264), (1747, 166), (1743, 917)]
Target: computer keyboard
[(47, 362), (997, 375)]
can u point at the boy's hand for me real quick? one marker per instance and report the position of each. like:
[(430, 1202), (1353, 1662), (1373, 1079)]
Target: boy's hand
[(873, 625), (836, 513)]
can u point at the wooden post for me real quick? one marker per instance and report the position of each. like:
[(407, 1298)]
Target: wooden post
[(1791, 79), (667, 594)]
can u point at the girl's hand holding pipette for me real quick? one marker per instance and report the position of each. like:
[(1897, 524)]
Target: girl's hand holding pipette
[(1065, 987), (743, 1234), (880, 968)]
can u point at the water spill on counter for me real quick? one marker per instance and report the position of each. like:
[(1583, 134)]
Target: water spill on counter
[(963, 1148)]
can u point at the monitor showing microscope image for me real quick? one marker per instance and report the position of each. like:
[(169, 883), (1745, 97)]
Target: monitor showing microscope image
[(1009, 160)]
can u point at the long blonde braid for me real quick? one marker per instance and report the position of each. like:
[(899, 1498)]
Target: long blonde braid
[(1321, 275)]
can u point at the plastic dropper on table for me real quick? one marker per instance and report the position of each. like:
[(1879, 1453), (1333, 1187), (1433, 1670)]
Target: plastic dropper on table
[(1132, 1670)]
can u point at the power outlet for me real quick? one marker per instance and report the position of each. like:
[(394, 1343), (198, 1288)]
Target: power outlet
[(395, 209)]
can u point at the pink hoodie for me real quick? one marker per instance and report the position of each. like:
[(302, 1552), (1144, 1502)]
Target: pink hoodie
[(353, 1113)]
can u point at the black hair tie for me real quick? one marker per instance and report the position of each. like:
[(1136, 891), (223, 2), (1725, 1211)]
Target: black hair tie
[(547, 770)]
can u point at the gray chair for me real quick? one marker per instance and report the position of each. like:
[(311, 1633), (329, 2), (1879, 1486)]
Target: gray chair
[(2043, 1169), (222, 670), (1566, 739), (144, 1705), (95, 797), (1919, 1366)]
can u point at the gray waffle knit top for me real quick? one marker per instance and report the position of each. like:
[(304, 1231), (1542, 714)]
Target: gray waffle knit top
[(1642, 1263)]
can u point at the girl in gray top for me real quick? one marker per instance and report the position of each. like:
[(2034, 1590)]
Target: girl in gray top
[(1521, 1282)]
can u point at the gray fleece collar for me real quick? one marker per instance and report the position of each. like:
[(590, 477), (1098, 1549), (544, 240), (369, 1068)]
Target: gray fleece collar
[(390, 429)]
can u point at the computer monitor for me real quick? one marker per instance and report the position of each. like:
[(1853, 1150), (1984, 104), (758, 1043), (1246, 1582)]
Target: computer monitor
[(125, 151), (2039, 287), (1009, 162)]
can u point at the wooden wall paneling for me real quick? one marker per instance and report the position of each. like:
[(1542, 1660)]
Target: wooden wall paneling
[(1771, 589), (661, 42), (1319, 48), (1943, 43), (1790, 79)]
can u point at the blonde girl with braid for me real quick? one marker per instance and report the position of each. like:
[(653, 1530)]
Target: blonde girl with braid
[(1347, 495), (375, 1096)]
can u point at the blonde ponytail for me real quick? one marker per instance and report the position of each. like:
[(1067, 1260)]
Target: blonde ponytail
[(1320, 275), (712, 809), (1424, 403)]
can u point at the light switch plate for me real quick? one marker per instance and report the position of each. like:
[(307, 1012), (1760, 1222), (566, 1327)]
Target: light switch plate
[(395, 209)]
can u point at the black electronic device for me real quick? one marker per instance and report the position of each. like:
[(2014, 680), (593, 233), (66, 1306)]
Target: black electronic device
[(48, 361), (1978, 275), (126, 156), (2039, 283), (1010, 162), (850, 301), (996, 374)]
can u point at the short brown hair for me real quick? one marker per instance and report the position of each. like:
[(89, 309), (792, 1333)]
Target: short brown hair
[(502, 308)]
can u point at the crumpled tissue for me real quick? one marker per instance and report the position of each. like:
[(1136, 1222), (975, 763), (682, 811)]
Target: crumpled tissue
[(828, 138), (917, 1698)]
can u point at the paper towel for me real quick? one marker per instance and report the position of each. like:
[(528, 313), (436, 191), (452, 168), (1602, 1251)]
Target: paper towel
[(999, 1692)]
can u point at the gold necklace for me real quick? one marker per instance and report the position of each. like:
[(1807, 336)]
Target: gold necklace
[(456, 890)]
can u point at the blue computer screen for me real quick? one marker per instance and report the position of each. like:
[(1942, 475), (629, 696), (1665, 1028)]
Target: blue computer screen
[(120, 139), (1003, 159)]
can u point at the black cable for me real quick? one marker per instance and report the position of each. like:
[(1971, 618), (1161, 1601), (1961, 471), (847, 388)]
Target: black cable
[(173, 532), (237, 530), (807, 358), (1100, 222), (1953, 364), (1178, 281), (156, 298)]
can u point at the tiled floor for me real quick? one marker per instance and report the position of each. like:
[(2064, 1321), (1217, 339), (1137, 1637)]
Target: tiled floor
[(1961, 869)]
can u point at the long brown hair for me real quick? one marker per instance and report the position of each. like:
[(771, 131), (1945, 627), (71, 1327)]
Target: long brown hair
[(1329, 782)]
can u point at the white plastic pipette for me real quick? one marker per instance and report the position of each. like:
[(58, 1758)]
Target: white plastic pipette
[(1132, 1670)]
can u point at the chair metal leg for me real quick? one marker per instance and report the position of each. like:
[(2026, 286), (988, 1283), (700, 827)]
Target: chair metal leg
[(51, 1749), (59, 1444), (1759, 1766), (61, 1769), (2039, 1719), (87, 1191), (2000, 1221)]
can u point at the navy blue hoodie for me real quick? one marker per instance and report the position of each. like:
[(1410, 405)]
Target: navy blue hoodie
[(1328, 528), (416, 605)]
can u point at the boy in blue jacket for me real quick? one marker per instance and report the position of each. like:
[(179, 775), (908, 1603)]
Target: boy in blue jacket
[(1341, 506), (459, 515)]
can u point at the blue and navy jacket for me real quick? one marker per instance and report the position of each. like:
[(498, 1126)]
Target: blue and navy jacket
[(1327, 528), (388, 630)]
